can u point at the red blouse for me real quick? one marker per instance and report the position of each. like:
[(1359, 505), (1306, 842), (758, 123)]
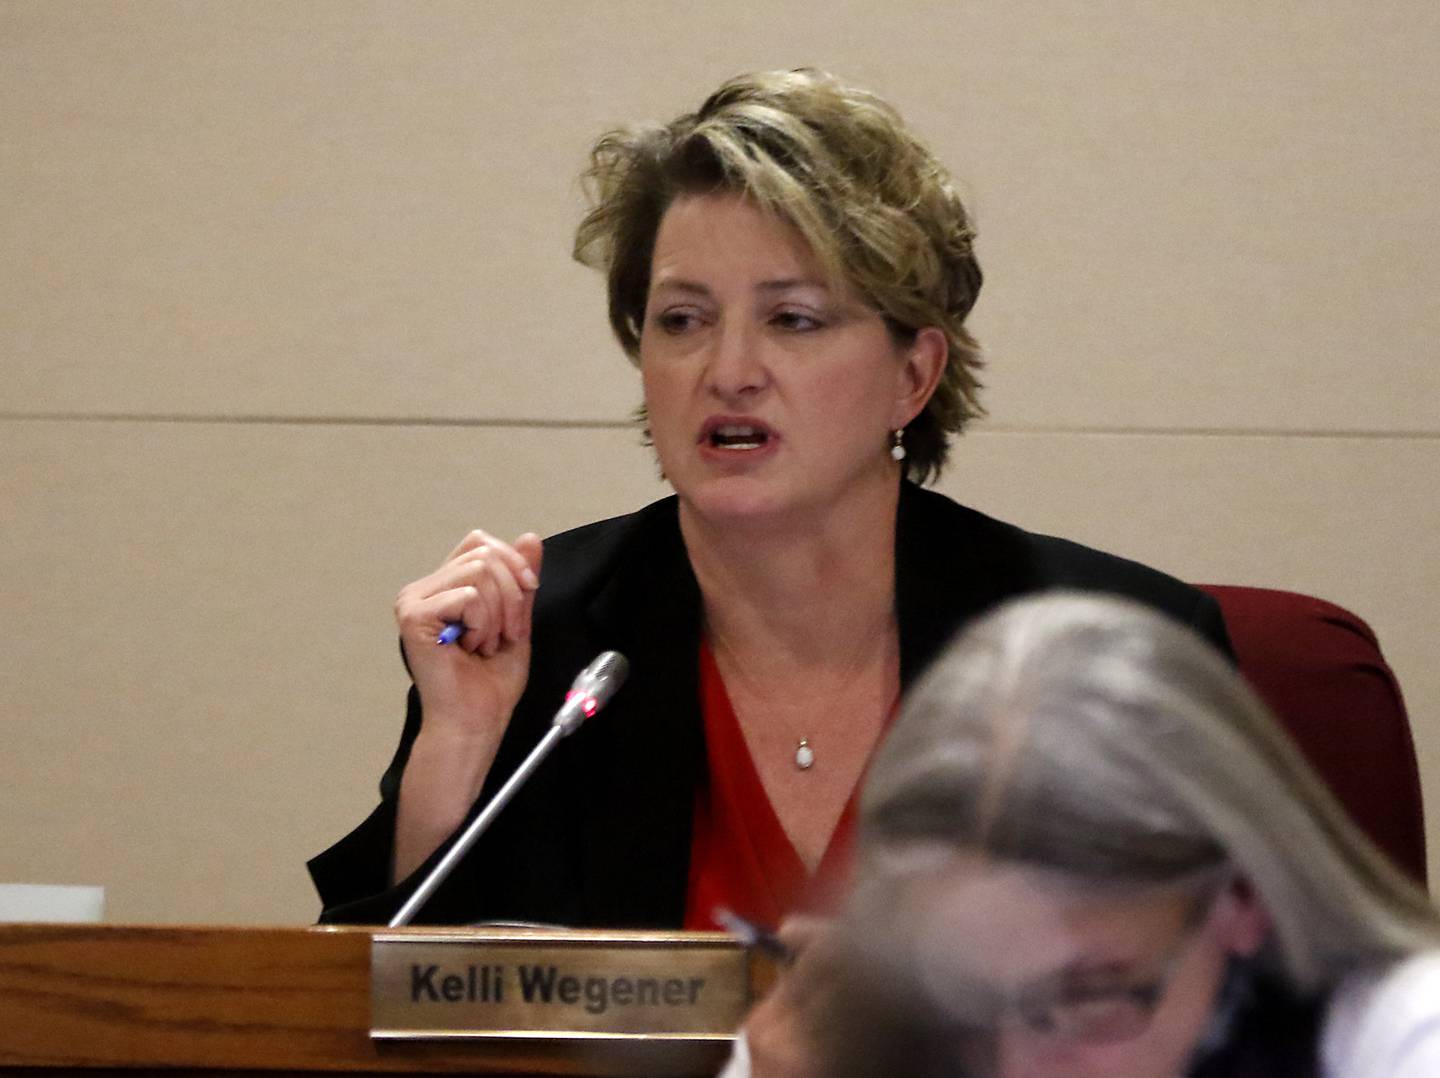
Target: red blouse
[(740, 856)]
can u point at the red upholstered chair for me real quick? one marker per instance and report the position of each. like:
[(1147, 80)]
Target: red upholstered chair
[(1319, 668)]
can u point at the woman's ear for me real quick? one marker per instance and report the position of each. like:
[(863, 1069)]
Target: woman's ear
[(1244, 921), (924, 364)]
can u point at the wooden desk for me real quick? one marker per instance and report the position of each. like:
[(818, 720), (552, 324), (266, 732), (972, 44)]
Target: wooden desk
[(95, 998)]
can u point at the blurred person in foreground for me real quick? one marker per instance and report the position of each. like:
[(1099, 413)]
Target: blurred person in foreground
[(1087, 849), (791, 270)]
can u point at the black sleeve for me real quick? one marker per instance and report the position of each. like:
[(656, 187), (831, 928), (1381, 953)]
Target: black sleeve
[(522, 868), (353, 876)]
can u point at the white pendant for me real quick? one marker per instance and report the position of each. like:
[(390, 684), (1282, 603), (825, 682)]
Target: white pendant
[(804, 755)]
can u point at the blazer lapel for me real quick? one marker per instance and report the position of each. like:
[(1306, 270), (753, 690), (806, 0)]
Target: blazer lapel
[(638, 771), (642, 776)]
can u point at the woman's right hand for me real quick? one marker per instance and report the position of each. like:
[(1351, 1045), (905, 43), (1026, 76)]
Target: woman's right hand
[(469, 689), (472, 686)]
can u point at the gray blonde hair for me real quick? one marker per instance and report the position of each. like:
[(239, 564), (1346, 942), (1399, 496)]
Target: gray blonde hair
[(880, 213), (1096, 738)]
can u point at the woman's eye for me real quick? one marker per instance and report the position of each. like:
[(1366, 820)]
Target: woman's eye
[(676, 321), (796, 321)]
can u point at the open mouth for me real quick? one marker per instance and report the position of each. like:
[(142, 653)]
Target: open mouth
[(737, 436)]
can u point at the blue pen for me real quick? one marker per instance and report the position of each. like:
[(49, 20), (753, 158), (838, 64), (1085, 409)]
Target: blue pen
[(452, 632), (752, 935)]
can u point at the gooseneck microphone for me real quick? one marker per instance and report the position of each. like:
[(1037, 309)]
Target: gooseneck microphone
[(589, 692)]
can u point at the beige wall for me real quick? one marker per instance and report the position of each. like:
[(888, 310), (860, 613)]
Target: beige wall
[(289, 307)]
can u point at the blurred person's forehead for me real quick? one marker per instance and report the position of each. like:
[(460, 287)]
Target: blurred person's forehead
[(1007, 923)]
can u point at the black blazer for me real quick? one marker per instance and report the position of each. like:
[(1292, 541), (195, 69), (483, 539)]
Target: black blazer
[(600, 836)]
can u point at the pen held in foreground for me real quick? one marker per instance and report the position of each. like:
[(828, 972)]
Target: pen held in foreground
[(753, 935)]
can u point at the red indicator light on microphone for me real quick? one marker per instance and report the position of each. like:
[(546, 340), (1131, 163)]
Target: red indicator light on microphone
[(588, 704)]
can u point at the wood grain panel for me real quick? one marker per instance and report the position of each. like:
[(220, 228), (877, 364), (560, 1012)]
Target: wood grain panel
[(198, 652), (199, 670), (1209, 216), (227, 999)]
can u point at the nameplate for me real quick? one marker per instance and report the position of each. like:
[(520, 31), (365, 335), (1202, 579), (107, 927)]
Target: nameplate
[(560, 985)]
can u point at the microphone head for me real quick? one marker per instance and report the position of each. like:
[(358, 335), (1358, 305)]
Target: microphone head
[(609, 668), (592, 689)]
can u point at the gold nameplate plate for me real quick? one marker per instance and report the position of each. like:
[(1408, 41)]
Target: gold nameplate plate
[(557, 984)]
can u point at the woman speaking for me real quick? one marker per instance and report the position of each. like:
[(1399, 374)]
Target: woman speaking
[(791, 270)]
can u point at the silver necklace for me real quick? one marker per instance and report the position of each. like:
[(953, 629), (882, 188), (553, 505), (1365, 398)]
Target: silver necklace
[(804, 751), (804, 755)]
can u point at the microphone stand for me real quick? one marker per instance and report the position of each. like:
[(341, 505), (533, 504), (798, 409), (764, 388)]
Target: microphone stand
[(441, 872), (593, 687)]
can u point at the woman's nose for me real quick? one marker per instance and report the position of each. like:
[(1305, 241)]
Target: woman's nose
[(736, 367)]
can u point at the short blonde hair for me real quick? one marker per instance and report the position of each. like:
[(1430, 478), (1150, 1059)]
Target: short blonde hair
[(880, 213)]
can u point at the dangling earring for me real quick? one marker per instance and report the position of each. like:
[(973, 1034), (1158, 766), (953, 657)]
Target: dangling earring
[(897, 445)]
